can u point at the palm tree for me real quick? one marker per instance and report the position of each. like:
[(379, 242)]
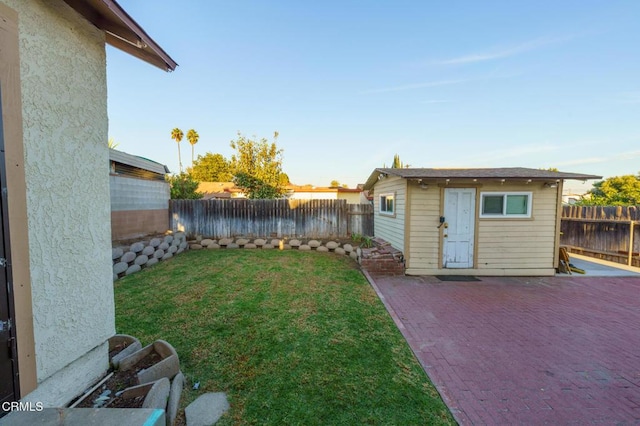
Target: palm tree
[(192, 137), (176, 135)]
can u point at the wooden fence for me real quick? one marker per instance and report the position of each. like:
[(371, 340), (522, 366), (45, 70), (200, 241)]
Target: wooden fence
[(610, 233), (270, 218)]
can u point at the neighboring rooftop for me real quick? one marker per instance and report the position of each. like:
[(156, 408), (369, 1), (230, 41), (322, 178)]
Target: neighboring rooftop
[(482, 173), (122, 31)]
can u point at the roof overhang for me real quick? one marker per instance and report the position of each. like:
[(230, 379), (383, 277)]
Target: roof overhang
[(505, 173), (122, 31)]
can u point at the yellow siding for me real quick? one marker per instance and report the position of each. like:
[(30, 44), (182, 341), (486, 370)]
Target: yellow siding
[(390, 228), (520, 243), (503, 246), (424, 238)]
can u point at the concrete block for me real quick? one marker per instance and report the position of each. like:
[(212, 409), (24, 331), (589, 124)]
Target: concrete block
[(173, 249), (295, 243), (179, 251), (167, 256), (156, 394), (314, 243), (141, 260), (120, 267), (225, 241), (151, 262), (168, 239), (183, 245), (267, 247), (148, 250), (116, 253), (163, 246), (207, 409), (322, 249), (158, 254), (304, 247), (233, 246), (206, 242), (137, 247), (195, 247), (242, 241), (128, 257), (174, 398), (275, 242), (348, 248), (179, 235), (133, 269), (353, 255), (250, 246), (168, 366), (155, 242), (260, 242), (339, 250), (125, 345), (332, 245), (213, 246)]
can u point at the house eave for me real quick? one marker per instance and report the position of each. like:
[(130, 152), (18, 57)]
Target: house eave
[(122, 31)]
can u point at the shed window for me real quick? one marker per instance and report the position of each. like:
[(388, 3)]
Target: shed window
[(506, 204), (387, 204)]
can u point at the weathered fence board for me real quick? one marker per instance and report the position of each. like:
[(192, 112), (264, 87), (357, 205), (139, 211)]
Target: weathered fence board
[(606, 232), (271, 218)]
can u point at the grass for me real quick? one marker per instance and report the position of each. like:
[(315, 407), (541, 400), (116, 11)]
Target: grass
[(291, 337)]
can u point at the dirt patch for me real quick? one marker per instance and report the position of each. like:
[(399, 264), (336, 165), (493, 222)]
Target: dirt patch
[(107, 395)]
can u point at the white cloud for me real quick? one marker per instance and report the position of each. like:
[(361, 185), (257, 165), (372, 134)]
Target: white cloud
[(505, 51), (602, 159)]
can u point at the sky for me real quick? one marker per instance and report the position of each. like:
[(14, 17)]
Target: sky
[(349, 84)]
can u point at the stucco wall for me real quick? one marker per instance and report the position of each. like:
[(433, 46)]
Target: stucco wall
[(63, 81)]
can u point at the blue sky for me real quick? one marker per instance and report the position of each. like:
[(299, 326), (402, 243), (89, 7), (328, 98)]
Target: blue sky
[(348, 84)]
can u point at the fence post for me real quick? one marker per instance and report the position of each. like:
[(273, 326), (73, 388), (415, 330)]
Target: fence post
[(631, 231)]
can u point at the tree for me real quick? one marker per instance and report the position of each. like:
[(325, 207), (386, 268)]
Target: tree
[(177, 135), (614, 191), (192, 137), (397, 164), (211, 168), (183, 187), (334, 184), (257, 167), (112, 144)]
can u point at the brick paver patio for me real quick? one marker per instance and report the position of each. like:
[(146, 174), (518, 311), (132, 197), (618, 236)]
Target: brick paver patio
[(525, 350)]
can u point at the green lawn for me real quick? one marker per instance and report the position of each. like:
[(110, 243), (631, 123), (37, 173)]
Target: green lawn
[(291, 337)]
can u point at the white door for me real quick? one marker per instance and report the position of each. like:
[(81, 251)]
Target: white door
[(458, 232)]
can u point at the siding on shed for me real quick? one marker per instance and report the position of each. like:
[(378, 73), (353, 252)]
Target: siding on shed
[(391, 228), (424, 236), (503, 246)]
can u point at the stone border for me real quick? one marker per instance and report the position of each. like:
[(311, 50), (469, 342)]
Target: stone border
[(277, 244), (131, 259)]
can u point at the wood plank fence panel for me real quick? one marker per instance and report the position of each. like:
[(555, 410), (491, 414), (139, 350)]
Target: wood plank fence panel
[(606, 232), (271, 218)]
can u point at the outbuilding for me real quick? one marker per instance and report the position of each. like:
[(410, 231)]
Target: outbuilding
[(483, 221)]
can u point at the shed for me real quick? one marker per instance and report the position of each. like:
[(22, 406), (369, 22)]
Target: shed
[(483, 221), (56, 294)]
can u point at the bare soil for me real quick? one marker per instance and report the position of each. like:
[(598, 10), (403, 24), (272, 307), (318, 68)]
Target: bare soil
[(119, 382)]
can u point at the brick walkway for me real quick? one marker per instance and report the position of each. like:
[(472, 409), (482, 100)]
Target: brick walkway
[(525, 350)]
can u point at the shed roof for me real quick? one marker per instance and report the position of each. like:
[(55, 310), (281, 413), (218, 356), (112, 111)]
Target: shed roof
[(482, 173), (139, 162), (122, 31)]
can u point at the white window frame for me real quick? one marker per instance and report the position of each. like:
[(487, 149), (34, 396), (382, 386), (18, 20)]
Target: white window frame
[(504, 214), (381, 204)]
